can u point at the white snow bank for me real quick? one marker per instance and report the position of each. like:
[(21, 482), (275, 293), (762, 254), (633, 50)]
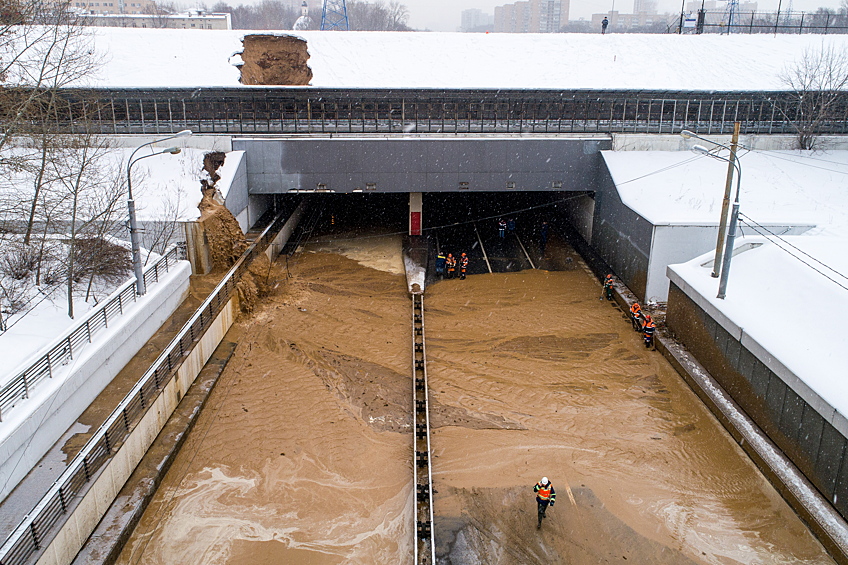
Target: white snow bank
[(790, 309), (195, 58), (778, 187)]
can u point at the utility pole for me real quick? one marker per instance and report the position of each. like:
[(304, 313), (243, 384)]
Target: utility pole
[(334, 16), (725, 205)]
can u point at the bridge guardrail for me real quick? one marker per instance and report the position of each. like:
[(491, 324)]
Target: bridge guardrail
[(78, 338), (30, 535), (281, 110)]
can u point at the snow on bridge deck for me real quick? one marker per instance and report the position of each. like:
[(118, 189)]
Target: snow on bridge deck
[(148, 58)]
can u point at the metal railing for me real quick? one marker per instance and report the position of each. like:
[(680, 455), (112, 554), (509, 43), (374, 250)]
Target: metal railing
[(36, 529), (310, 111), (719, 21), (21, 385)]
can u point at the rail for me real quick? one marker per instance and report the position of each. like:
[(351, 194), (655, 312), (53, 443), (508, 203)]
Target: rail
[(331, 111), (21, 385), (425, 548), (37, 526)]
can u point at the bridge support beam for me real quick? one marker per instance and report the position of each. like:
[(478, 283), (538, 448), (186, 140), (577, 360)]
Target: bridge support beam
[(415, 206)]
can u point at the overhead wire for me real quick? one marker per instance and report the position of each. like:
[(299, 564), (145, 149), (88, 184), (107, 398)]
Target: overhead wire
[(754, 226)]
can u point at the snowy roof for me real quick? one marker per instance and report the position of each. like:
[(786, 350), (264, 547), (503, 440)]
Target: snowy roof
[(807, 332), (193, 58), (778, 187)]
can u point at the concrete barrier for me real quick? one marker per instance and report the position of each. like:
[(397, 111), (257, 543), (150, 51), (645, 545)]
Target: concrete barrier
[(32, 428), (112, 476)]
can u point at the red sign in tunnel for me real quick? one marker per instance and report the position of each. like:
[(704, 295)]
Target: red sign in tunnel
[(415, 223)]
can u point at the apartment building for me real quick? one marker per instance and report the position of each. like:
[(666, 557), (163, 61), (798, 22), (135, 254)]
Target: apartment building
[(532, 16)]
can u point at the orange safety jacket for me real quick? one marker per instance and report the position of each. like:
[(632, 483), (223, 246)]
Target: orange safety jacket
[(635, 309), (545, 493), (649, 327), (451, 261), (463, 263)]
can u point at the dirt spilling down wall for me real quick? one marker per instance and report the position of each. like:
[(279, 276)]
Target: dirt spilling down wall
[(222, 233), (274, 60)]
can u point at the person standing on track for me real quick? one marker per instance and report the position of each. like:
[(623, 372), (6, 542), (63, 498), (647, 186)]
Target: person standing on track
[(463, 266), (502, 228), (441, 261), (543, 237), (545, 496), (450, 262)]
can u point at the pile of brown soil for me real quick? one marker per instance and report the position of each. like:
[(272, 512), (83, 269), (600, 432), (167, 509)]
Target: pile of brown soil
[(223, 233), (273, 59)]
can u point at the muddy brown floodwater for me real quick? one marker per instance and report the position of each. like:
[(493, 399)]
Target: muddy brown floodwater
[(304, 451)]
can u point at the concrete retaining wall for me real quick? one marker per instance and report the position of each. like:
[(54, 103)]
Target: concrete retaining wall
[(621, 236), (115, 473), (35, 425), (805, 427)]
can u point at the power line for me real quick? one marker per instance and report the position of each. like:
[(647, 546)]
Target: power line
[(775, 155), (754, 225)]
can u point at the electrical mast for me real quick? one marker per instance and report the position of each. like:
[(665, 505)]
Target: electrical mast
[(334, 16)]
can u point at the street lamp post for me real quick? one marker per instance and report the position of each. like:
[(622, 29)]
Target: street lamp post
[(725, 204), (734, 221), (140, 288)]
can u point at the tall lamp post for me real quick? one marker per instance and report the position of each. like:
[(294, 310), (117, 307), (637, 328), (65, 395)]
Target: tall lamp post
[(734, 220), (140, 287), (725, 204)]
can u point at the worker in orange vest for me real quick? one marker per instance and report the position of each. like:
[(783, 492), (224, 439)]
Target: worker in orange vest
[(451, 263), (636, 316), (545, 496), (649, 328), (608, 282), (463, 266)]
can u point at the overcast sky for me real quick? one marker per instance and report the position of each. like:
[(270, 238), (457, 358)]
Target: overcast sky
[(444, 15)]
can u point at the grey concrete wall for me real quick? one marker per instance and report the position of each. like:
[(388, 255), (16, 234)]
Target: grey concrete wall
[(807, 429), (580, 212), (421, 164), (621, 236)]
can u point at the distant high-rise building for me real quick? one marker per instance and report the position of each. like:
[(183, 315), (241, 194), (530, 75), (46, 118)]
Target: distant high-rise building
[(476, 20), (532, 16), (644, 6)]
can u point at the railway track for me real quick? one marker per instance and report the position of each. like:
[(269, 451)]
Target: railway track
[(425, 549)]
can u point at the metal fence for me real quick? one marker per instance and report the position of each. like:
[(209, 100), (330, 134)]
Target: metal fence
[(287, 110), (821, 22), (32, 534), (22, 384)]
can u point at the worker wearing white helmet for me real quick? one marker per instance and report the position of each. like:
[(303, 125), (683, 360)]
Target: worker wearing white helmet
[(545, 496)]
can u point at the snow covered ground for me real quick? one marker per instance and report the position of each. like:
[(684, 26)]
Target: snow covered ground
[(789, 294), (195, 58)]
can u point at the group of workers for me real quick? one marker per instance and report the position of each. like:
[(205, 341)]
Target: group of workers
[(642, 322), (447, 266)]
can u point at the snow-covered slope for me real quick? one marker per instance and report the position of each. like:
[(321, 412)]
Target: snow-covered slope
[(186, 58)]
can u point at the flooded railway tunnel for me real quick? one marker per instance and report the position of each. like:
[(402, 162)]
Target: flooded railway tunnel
[(303, 453)]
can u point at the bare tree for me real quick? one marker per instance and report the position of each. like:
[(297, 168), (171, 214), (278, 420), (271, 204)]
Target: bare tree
[(365, 16), (42, 49), (818, 80), (94, 194)]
